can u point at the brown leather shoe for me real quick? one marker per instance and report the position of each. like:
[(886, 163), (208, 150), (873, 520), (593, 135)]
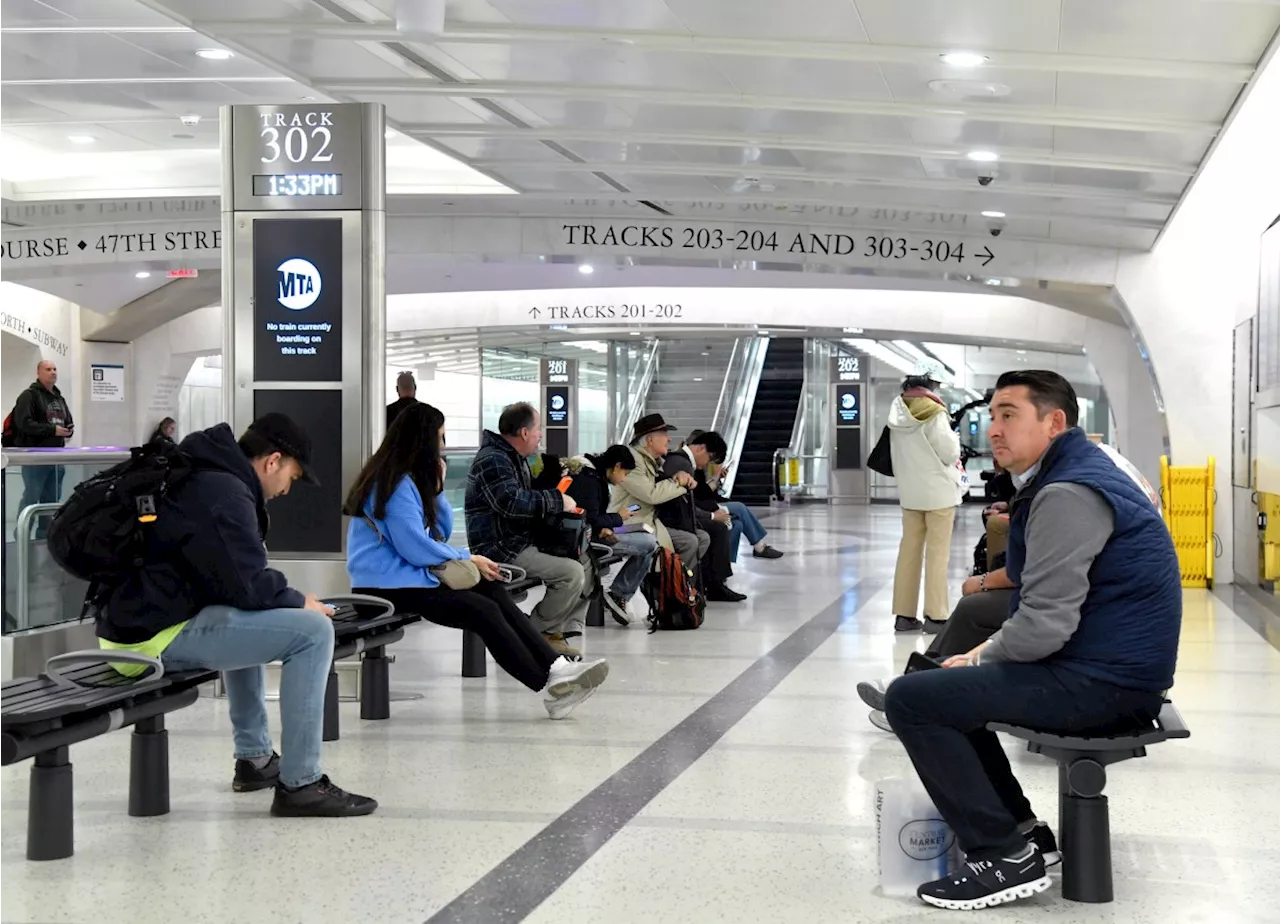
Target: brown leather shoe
[(557, 642)]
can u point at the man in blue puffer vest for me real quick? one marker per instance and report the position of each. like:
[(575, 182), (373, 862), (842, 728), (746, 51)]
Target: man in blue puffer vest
[(1091, 643)]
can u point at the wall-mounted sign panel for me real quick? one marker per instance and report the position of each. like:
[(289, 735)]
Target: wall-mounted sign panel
[(848, 406), (297, 157), (297, 299)]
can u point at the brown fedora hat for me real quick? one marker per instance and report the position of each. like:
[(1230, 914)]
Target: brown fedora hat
[(650, 423)]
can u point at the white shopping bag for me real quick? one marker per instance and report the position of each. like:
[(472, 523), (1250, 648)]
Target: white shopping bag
[(916, 845)]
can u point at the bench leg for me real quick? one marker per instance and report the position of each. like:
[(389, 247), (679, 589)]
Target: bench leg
[(595, 607), (149, 768), (375, 685), (474, 658), (331, 706), (1085, 828), (50, 818)]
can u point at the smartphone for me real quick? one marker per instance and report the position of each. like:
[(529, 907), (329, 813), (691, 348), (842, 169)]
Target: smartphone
[(563, 486), (920, 662), (634, 507)]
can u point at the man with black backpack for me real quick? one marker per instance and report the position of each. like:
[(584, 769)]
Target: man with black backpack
[(204, 598)]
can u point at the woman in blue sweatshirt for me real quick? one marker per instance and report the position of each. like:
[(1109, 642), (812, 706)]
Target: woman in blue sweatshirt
[(399, 531)]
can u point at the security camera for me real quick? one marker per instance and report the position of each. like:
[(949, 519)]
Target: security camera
[(995, 226), (985, 179)]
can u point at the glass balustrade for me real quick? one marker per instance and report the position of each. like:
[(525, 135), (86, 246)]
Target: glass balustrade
[(37, 592)]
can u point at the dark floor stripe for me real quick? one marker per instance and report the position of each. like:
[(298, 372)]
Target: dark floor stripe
[(525, 879)]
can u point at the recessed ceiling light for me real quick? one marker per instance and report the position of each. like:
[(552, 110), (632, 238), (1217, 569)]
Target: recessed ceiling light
[(983, 157), (215, 54), (81, 139), (963, 58), (697, 379), (142, 274), (1022, 352), (992, 213), (635, 333), (586, 269)]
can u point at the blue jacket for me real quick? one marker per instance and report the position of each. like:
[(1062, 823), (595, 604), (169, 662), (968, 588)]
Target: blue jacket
[(1132, 615), (206, 550), (503, 509), (397, 551)]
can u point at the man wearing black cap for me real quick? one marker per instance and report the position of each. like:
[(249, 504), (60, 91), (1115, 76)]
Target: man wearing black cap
[(205, 599)]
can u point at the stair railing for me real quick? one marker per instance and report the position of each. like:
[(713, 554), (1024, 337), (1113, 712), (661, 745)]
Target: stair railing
[(737, 397), (639, 381)]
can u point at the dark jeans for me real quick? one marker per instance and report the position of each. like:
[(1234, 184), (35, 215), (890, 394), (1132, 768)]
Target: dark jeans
[(488, 611), (940, 716), (716, 565), (974, 620)]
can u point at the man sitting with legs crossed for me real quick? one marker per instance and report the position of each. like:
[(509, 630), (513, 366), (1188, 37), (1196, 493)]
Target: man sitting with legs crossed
[(1090, 648)]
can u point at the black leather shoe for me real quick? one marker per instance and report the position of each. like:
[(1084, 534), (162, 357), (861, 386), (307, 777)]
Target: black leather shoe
[(906, 624), (769, 552), (723, 594), (250, 779)]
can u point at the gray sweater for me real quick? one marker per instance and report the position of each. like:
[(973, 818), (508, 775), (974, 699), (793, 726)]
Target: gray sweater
[(1068, 526)]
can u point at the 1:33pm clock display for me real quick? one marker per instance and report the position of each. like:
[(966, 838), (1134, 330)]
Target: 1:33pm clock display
[(297, 184)]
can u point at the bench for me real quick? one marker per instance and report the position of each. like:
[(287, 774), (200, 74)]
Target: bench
[(80, 696), (1084, 825), (474, 660), (364, 626), (41, 717)]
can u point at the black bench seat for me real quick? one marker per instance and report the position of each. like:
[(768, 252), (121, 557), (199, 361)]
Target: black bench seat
[(364, 626), (78, 697), (1084, 826)]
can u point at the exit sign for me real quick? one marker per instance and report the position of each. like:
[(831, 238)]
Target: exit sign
[(183, 273)]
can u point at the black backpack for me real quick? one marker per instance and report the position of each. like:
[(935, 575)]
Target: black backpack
[(674, 599), (100, 534)]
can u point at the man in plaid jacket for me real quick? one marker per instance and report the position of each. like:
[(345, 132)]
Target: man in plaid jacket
[(503, 510)]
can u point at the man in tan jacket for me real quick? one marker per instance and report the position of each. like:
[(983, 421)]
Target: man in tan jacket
[(645, 488)]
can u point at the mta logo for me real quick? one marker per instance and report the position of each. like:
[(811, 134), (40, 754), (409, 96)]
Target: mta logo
[(557, 402), (848, 400), (298, 284)]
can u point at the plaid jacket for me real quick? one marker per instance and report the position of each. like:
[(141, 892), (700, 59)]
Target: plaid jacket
[(502, 509)]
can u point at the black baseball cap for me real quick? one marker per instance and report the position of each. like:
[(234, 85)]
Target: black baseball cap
[(288, 439)]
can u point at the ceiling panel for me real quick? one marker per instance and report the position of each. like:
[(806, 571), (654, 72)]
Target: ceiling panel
[(35, 12), (1022, 25), (264, 10), (820, 79), (408, 109), (965, 134), (607, 64), (1147, 146), (633, 14), (829, 20), (1147, 96), (1186, 30), (969, 85), (312, 57)]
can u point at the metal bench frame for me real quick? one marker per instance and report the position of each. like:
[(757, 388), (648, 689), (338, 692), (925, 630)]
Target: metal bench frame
[(1084, 824)]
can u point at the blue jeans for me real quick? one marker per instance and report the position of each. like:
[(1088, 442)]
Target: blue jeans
[(240, 643), (744, 523), (639, 549), (42, 484), (941, 717)]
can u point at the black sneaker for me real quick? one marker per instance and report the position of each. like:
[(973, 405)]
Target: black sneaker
[(906, 624), (934, 626), (320, 799), (768, 552), (1042, 836), (987, 883), (249, 778), (617, 609)]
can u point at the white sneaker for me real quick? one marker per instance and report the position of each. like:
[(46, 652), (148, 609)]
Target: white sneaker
[(872, 692), (880, 721), (572, 682)]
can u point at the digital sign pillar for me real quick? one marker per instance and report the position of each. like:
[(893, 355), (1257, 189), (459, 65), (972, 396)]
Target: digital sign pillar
[(304, 296), (848, 466), (559, 381)]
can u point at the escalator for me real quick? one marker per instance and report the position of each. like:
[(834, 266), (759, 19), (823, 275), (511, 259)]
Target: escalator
[(773, 417)]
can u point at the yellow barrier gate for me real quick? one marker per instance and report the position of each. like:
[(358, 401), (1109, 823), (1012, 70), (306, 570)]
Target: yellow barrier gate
[(1188, 496), (1269, 507)]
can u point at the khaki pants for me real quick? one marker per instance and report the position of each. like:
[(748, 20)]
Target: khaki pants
[(926, 541), (563, 608)]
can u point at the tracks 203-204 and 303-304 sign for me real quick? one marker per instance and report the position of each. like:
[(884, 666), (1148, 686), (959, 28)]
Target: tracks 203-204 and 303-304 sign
[(757, 241)]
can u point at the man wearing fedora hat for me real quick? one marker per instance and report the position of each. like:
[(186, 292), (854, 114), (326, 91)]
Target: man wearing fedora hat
[(646, 488)]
